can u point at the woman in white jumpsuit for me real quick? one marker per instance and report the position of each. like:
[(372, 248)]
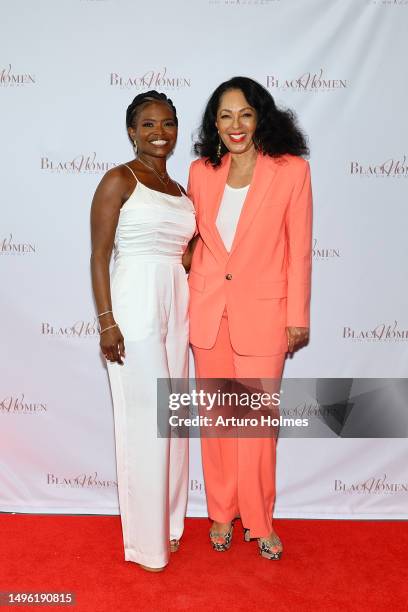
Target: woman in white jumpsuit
[(148, 219)]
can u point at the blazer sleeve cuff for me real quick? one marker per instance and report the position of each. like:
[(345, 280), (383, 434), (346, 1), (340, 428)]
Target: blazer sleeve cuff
[(298, 309)]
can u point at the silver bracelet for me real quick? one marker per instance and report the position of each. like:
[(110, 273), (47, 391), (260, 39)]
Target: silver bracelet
[(103, 313), (106, 328)]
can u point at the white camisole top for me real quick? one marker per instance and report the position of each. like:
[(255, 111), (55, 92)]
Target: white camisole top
[(229, 212)]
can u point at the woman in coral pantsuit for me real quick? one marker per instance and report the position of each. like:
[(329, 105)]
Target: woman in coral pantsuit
[(249, 284)]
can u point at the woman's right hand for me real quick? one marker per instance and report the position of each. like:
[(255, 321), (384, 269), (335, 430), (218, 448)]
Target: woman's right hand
[(113, 345), (189, 252)]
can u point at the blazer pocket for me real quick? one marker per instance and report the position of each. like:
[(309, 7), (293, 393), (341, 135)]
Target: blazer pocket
[(196, 281), (265, 290)]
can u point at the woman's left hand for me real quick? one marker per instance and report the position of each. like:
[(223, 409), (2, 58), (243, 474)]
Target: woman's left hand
[(297, 337)]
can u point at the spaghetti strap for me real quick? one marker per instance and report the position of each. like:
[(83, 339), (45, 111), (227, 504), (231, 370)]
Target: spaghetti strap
[(131, 171), (137, 181)]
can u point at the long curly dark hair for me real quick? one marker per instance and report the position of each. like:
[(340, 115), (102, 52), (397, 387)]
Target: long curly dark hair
[(144, 98), (276, 132)]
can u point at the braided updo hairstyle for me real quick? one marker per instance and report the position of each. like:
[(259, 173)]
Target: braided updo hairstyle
[(145, 98)]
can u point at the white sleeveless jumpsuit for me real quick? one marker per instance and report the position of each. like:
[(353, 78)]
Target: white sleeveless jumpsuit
[(150, 304)]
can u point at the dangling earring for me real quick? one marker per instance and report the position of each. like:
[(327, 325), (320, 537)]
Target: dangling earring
[(135, 147), (219, 149), (257, 145)]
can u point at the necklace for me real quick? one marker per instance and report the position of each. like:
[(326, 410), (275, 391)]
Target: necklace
[(161, 177)]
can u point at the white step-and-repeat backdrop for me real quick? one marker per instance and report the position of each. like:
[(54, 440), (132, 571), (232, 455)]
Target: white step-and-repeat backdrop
[(68, 70)]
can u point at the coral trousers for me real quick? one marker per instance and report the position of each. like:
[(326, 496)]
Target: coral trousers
[(239, 472)]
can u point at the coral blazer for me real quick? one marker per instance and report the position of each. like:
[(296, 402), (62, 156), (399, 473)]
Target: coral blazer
[(264, 281)]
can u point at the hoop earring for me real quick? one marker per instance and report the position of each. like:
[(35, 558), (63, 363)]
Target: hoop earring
[(219, 149), (135, 147)]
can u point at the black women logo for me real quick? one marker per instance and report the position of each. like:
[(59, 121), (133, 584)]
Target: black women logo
[(12, 78), (151, 79), (9, 246)]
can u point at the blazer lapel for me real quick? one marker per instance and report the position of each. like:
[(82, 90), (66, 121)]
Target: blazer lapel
[(264, 173)]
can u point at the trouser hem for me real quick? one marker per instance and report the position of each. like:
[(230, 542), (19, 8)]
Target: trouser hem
[(261, 532), (226, 518), (154, 561)]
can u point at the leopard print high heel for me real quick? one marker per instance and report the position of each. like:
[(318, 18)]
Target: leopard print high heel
[(226, 537), (265, 546)]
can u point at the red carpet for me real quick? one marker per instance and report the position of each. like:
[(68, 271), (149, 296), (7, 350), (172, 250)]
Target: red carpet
[(327, 565)]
